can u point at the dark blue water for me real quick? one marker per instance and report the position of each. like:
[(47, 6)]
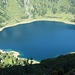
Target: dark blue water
[(40, 39)]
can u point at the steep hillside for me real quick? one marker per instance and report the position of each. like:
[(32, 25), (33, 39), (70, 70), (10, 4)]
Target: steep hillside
[(65, 63), (61, 65), (15, 11)]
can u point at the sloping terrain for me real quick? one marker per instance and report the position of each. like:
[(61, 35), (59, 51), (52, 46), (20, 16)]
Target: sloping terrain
[(61, 65), (15, 11)]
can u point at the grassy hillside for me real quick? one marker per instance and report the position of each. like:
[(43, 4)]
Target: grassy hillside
[(15, 11)]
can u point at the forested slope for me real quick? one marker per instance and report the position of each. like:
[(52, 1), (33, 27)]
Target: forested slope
[(61, 65)]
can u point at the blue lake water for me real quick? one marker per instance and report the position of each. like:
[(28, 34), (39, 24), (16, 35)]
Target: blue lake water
[(40, 39)]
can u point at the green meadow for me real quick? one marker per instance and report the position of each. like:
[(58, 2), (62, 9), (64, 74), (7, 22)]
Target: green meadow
[(16, 11)]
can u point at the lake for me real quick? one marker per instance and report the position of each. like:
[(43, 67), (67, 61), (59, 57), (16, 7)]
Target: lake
[(39, 39)]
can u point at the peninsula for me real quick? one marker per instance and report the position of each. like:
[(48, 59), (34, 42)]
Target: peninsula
[(11, 58)]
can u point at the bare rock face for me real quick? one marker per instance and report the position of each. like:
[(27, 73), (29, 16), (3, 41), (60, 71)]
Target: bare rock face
[(4, 1)]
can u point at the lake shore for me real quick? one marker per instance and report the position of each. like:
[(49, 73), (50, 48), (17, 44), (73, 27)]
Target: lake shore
[(17, 54), (33, 20)]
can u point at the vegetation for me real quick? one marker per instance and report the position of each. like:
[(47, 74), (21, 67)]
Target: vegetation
[(8, 59), (15, 11), (61, 65), (65, 63)]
